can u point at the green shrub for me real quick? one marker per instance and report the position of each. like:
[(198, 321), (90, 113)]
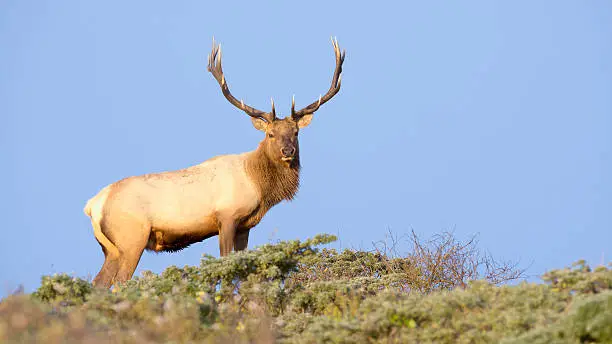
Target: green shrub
[(579, 278), (64, 288), (443, 291)]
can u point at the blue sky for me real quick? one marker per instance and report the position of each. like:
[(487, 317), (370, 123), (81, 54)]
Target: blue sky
[(488, 118)]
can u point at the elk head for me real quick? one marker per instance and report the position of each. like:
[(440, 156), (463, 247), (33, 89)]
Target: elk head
[(281, 141)]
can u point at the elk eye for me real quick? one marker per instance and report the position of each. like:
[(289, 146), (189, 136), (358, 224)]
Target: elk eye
[(270, 135)]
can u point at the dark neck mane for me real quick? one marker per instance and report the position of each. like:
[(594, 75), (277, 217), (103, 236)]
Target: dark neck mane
[(275, 181)]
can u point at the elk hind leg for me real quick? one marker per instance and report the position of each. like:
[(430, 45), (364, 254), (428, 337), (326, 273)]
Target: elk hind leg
[(107, 273), (130, 255), (127, 265), (104, 278)]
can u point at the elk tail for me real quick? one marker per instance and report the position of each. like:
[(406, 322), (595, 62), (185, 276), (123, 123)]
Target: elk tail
[(94, 209), (87, 208), (110, 248)]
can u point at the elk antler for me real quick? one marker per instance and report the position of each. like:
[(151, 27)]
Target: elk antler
[(214, 67), (334, 88)]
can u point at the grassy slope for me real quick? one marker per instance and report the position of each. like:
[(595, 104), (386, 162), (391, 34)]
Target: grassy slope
[(442, 292)]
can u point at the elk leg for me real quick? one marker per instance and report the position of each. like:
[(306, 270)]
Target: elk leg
[(104, 278), (134, 245), (127, 266), (226, 237), (241, 240), (108, 271)]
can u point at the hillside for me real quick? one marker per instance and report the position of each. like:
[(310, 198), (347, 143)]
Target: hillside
[(443, 291)]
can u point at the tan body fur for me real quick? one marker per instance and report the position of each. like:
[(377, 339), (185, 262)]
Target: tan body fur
[(169, 211), (181, 205)]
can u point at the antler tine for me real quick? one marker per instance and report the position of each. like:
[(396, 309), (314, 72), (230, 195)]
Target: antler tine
[(216, 69), (333, 89), (273, 113), (293, 104)]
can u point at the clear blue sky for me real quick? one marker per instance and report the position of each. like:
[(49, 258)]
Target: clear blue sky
[(482, 117)]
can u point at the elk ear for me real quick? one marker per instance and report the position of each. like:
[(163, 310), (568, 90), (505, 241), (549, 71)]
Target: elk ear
[(259, 124), (304, 121)]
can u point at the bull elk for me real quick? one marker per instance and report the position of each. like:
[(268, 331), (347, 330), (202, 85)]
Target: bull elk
[(226, 195)]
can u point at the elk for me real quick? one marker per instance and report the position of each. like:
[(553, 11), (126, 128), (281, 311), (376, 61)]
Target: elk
[(226, 195)]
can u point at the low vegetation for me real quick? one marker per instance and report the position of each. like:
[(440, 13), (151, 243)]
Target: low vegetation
[(443, 291)]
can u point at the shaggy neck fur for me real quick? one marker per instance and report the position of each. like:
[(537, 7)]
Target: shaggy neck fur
[(275, 181)]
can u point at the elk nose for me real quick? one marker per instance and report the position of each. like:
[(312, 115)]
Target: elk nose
[(288, 151)]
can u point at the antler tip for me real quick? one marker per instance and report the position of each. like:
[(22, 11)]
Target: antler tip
[(273, 112)]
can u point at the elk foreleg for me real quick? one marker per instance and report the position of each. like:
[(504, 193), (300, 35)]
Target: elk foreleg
[(241, 240), (227, 233)]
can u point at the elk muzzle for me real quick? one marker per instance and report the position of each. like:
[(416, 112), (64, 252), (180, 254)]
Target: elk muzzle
[(288, 153)]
